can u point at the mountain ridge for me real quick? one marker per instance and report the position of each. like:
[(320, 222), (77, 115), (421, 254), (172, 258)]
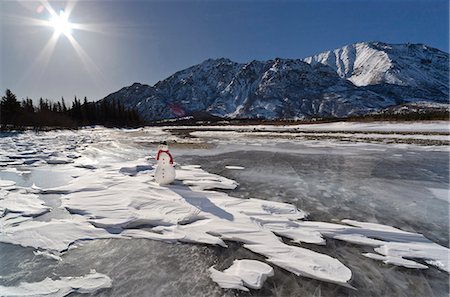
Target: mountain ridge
[(353, 80)]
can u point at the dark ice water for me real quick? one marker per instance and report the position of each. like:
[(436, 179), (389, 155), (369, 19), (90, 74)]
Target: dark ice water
[(389, 186)]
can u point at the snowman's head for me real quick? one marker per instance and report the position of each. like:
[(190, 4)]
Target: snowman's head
[(163, 146)]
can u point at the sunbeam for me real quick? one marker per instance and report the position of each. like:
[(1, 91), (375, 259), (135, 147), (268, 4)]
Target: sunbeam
[(25, 21), (62, 26), (92, 69), (70, 6), (42, 60), (48, 7)]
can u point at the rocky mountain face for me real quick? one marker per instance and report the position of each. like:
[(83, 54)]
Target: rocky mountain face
[(353, 80), (403, 72)]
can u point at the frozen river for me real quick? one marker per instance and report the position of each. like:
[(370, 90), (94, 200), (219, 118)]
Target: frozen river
[(86, 178)]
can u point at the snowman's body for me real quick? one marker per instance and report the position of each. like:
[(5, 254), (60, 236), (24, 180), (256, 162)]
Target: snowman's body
[(165, 172)]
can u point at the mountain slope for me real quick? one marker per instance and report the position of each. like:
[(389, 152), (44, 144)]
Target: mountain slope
[(271, 89), (353, 80), (404, 71)]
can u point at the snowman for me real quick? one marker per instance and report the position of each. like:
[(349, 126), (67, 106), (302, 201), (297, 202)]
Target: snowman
[(165, 171)]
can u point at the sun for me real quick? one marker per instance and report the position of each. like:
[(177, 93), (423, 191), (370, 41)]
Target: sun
[(61, 24)]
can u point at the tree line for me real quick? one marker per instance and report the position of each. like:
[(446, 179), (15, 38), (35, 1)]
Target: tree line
[(20, 114)]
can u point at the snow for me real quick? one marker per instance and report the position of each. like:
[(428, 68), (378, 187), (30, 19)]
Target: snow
[(357, 79), (361, 56), (304, 262), (48, 255), (114, 197), (6, 183), (96, 199), (442, 194), (186, 212), (14, 170), (242, 274), (398, 261), (369, 63), (201, 180), (59, 161), (227, 281), (416, 127), (86, 284), (388, 241), (433, 135), (233, 167), (24, 203), (55, 235), (287, 135)]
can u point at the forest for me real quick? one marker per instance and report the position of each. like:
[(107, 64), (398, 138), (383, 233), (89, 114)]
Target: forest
[(15, 114)]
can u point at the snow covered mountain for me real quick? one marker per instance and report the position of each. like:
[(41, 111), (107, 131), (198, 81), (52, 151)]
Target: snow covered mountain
[(356, 79), (405, 72)]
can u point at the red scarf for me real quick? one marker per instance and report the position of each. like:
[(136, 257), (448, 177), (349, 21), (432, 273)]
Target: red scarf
[(167, 152)]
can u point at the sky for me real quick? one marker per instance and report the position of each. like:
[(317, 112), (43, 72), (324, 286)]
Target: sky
[(118, 43)]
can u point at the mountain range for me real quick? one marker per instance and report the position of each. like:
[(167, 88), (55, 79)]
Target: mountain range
[(353, 80)]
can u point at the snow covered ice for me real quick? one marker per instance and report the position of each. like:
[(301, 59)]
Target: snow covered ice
[(334, 213), (62, 287), (243, 274)]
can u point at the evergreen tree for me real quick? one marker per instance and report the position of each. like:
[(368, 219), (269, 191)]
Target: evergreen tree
[(63, 104), (9, 108), (57, 114), (41, 104), (27, 105)]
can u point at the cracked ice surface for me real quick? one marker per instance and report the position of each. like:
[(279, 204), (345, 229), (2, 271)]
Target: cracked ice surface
[(179, 212), (110, 197)]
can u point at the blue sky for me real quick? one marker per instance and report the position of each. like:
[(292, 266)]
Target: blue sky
[(146, 41)]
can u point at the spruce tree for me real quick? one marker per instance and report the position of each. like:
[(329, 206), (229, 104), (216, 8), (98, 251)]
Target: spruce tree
[(9, 108)]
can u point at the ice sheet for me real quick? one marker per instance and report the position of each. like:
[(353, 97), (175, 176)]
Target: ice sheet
[(55, 235), (112, 196), (243, 274), (109, 198), (89, 283), (22, 202), (233, 167), (428, 126)]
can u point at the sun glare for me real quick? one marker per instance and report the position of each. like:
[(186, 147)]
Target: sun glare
[(61, 24)]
